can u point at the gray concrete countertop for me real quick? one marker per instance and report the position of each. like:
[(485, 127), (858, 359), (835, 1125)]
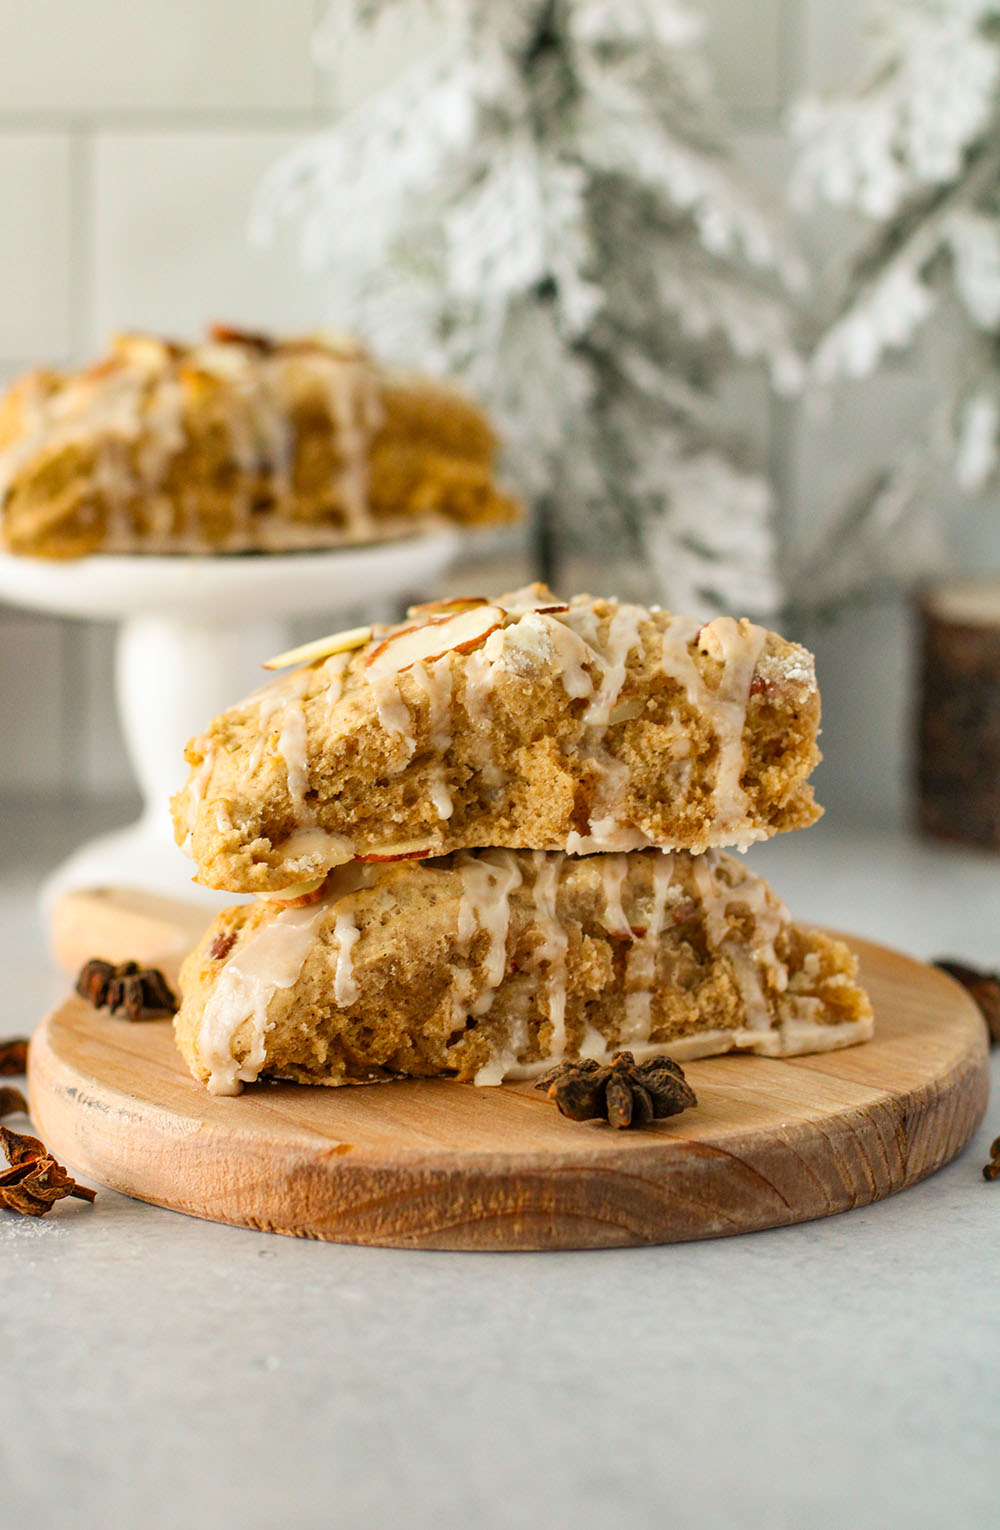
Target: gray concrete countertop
[(161, 1372)]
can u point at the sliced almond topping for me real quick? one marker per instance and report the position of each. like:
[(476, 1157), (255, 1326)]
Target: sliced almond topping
[(532, 597), (298, 894), (448, 607), (407, 850), (230, 334), (441, 635), (321, 648), (538, 608), (143, 350)]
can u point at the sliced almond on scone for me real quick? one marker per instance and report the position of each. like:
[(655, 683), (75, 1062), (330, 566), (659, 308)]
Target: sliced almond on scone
[(532, 597), (432, 640), (406, 850), (321, 648), (447, 607), (230, 334), (298, 894), (144, 350)]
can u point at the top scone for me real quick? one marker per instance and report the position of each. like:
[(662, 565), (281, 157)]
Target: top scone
[(521, 722), (240, 444)]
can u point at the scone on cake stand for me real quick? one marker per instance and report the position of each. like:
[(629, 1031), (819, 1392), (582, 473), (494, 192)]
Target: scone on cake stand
[(129, 490), (192, 634)]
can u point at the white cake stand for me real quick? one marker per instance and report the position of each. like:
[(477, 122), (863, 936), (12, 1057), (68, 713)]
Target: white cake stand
[(193, 632)]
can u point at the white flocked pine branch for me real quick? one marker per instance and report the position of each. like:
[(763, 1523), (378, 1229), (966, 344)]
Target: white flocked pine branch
[(546, 209), (915, 150)]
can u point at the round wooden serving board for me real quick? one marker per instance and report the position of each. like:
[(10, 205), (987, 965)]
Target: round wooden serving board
[(434, 1164)]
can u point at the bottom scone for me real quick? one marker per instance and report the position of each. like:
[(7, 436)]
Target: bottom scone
[(492, 964)]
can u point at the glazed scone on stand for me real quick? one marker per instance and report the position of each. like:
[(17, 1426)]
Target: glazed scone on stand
[(520, 722), (243, 443), (489, 965)]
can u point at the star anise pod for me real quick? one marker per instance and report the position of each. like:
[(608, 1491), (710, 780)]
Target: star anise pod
[(983, 986), (991, 1170), (13, 1055), (93, 979), (136, 992), (622, 1092), (34, 1181), (12, 1101)]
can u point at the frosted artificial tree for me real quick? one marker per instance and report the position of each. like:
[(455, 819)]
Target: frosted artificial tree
[(546, 208), (915, 150)]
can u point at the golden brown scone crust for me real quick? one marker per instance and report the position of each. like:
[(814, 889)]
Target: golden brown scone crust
[(488, 965), (243, 443), (499, 740)]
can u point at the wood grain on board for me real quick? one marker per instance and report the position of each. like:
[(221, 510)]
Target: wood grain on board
[(435, 1164), (122, 924)]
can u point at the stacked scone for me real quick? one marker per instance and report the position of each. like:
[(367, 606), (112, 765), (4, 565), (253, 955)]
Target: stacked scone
[(243, 443), (492, 837)]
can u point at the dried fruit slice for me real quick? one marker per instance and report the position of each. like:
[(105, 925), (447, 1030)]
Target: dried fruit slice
[(445, 634), (321, 648)]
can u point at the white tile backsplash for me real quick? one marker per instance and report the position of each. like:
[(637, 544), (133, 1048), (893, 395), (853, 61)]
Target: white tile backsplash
[(170, 250), (132, 137), (35, 245), (33, 752), (71, 56)]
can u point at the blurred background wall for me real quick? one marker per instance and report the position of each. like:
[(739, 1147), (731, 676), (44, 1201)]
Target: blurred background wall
[(131, 139)]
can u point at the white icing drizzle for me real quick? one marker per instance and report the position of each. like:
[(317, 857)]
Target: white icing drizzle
[(554, 944), (640, 969), (271, 700), (293, 747), (575, 658), (622, 637), (354, 403), (440, 792), (479, 677), (195, 794), (346, 934), (738, 645), (435, 682), (394, 714), (614, 869), (610, 657), (334, 671), (487, 883), (768, 915), (271, 960)]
